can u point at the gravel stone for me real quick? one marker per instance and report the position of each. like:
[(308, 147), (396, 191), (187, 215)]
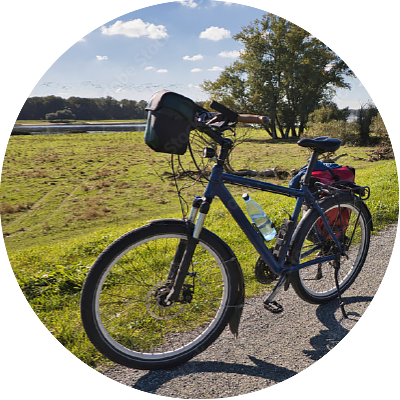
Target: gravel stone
[(270, 347)]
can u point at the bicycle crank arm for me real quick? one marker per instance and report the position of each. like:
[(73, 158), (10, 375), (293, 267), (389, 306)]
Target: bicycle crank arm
[(269, 303)]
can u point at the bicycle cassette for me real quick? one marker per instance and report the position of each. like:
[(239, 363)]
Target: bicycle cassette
[(263, 273)]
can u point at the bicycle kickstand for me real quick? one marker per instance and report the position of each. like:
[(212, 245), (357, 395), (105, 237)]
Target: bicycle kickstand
[(269, 303), (341, 302)]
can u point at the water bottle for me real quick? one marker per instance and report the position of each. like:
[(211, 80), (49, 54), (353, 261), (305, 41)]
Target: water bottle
[(260, 219)]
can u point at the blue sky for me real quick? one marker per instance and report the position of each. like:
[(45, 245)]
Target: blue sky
[(173, 46)]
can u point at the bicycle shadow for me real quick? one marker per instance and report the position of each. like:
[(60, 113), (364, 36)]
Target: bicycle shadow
[(336, 330), (322, 343), (153, 380)]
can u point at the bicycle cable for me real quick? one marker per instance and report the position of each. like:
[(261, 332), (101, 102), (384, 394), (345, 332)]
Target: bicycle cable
[(183, 203)]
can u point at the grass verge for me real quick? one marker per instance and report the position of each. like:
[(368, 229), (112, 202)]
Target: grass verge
[(64, 198)]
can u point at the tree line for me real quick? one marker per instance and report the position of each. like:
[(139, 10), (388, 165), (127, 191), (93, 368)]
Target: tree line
[(104, 108)]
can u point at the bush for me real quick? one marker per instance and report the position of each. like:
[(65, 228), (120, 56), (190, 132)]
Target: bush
[(349, 132), (65, 114), (51, 116), (378, 129), (346, 132), (60, 114)]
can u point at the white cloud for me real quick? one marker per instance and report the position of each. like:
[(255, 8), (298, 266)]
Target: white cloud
[(381, 82), (194, 58), (149, 68), (215, 68), (215, 3), (136, 28), (214, 33), (101, 58), (229, 54), (162, 71), (196, 70), (189, 3)]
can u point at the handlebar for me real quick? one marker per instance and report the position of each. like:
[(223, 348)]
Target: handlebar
[(235, 117), (213, 124), (226, 112), (253, 119)]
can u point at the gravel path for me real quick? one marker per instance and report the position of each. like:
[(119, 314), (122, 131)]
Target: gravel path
[(271, 347)]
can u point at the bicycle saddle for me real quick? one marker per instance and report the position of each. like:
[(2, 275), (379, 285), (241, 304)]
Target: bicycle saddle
[(321, 144)]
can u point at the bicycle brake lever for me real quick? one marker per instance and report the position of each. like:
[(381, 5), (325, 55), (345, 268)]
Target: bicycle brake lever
[(215, 119)]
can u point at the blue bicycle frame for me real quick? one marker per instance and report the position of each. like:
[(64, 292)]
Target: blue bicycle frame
[(217, 188)]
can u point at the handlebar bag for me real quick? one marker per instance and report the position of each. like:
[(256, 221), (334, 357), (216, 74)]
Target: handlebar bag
[(170, 117)]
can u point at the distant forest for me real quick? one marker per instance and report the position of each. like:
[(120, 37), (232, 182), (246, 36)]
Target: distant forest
[(93, 109), (104, 108)]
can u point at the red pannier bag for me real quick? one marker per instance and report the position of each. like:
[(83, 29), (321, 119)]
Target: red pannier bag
[(338, 218), (332, 175)]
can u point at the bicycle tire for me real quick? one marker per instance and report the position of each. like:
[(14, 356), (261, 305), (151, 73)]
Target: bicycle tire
[(119, 310), (315, 284)]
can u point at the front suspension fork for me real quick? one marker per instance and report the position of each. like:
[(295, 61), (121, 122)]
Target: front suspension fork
[(186, 248)]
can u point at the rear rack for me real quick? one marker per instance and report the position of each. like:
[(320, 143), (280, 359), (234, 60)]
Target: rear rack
[(322, 190)]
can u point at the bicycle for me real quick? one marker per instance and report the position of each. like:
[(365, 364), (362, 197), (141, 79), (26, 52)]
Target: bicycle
[(161, 294)]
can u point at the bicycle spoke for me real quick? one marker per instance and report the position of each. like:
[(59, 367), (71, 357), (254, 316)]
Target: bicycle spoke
[(346, 222)]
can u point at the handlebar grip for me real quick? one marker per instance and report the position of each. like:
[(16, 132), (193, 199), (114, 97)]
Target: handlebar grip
[(253, 119), (229, 114)]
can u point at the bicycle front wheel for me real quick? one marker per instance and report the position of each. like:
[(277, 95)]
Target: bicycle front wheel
[(121, 306), (351, 222)]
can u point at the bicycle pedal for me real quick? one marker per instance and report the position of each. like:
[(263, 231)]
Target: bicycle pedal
[(273, 306)]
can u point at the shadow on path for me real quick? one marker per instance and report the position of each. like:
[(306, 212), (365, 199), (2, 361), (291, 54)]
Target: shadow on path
[(155, 379), (335, 331)]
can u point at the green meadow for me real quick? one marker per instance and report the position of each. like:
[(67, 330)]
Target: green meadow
[(64, 198)]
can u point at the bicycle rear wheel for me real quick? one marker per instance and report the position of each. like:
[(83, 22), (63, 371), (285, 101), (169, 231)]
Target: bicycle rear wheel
[(351, 222), (121, 308)]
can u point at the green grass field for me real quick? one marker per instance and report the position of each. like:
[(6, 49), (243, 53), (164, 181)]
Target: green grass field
[(64, 198), (75, 121)]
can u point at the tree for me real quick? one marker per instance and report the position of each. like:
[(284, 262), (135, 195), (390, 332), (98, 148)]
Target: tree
[(283, 71), (33, 109), (364, 119), (54, 103), (84, 108), (142, 113)]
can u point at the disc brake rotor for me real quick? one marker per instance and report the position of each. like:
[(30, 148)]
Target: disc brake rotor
[(156, 307)]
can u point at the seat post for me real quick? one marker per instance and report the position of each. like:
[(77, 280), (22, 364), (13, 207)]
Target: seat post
[(310, 168)]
